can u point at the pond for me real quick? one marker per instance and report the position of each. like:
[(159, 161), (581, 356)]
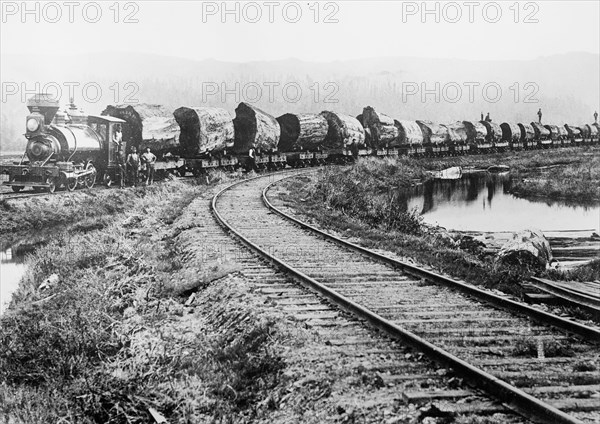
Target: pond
[(12, 269), (482, 202)]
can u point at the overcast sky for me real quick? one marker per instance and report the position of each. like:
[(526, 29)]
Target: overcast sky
[(354, 29)]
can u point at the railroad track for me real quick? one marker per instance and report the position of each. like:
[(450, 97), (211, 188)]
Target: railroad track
[(541, 365), (370, 369)]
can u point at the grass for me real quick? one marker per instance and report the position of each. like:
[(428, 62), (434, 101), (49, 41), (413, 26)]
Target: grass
[(410, 240), (367, 192), (112, 340), (359, 202), (571, 174), (575, 181), (586, 272), (520, 161)]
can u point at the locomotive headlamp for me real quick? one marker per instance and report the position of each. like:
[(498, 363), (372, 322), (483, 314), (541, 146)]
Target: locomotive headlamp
[(33, 125)]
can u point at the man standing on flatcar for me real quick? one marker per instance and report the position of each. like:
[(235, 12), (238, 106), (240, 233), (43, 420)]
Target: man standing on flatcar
[(540, 116), (149, 159), (596, 117), (133, 163)]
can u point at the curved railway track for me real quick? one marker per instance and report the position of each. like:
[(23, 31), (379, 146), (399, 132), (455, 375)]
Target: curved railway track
[(541, 365)]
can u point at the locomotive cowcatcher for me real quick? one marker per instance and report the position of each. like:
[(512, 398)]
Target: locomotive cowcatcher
[(64, 150)]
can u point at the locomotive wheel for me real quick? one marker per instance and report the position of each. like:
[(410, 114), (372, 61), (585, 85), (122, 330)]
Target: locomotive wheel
[(71, 184), (51, 185), (90, 179), (17, 189)]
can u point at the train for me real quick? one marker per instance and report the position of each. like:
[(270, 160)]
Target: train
[(69, 149)]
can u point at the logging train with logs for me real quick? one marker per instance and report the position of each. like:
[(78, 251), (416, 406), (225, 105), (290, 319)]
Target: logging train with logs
[(68, 149)]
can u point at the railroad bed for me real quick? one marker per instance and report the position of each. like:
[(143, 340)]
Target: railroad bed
[(548, 374), (369, 372)]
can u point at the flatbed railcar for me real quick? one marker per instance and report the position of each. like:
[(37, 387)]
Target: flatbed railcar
[(71, 150)]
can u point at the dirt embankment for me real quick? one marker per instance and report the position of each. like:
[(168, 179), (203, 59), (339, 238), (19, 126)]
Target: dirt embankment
[(359, 202), (148, 317)]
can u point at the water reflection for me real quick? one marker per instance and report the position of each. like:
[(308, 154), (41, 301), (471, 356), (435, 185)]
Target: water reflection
[(12, 268), (482, 202)]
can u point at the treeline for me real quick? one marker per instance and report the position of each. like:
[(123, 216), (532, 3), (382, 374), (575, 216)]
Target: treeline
[(279, 93)]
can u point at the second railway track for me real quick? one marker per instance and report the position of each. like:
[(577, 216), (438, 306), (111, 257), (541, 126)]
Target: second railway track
[(543, 366)]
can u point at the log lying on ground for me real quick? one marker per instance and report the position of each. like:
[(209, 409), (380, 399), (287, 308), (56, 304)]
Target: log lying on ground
[(383, 132), (344, 131), (527, 248), (255, 129), (204, 129), (303, 131), (148, 126), (409, 133)]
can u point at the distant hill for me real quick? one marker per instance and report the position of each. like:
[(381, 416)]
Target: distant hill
[(567, 87)]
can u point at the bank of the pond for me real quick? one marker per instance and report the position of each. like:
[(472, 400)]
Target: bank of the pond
[(362, 202), (572, 174)]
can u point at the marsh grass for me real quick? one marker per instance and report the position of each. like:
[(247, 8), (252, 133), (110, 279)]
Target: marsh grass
[(311, 198), (367, 192), (108, 341), (574, 181)]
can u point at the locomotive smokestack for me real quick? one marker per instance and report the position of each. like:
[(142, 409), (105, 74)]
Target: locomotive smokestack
[(45, 104)]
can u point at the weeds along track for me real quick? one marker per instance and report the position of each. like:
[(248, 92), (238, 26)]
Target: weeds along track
[(545, 367), (366, 371)]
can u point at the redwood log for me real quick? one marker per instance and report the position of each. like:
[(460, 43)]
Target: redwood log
[(457, 132), (433, 133), (255, 129), (204, 129), (510, 132), (148, 126), (476, 131), (410, 133), (344, 131), (382, 129), (303, 131)]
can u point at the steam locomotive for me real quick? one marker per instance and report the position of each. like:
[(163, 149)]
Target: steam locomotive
[(63, 150), (70, 149)]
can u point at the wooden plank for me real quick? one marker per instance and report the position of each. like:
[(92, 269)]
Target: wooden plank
[(429, 396)]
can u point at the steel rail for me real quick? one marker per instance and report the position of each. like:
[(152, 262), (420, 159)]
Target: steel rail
[(588, 333), (518, 400), (588, 303)]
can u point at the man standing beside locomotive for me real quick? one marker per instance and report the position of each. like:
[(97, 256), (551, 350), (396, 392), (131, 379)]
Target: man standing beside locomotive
[(133, 163), (149, 160), (118, 140)]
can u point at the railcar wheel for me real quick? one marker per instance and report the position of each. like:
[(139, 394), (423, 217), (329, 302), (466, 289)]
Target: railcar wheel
[(90, 179), (17, 189)]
